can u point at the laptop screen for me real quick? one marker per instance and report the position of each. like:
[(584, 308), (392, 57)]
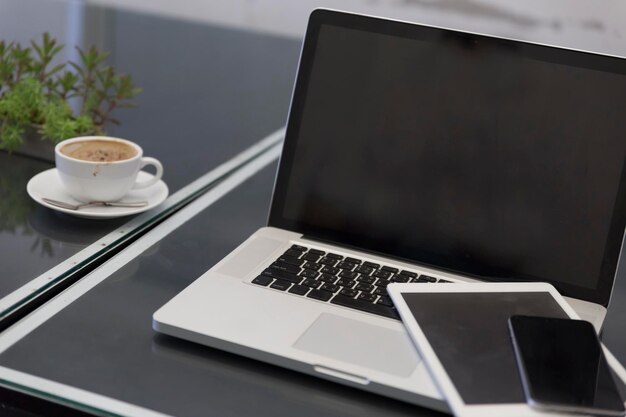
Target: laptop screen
[(493, 158)]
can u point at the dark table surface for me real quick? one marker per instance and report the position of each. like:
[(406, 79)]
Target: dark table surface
[(209, 92), (33, 239)]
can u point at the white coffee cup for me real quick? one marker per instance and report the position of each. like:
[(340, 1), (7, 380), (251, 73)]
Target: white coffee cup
[(88, 180)]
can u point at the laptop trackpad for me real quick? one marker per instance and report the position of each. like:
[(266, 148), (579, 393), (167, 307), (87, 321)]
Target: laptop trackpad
[(361, 344)]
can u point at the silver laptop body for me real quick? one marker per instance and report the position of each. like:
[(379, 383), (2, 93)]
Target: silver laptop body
[(226, 310)]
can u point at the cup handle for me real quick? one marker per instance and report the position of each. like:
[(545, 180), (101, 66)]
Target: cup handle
[(159, 172)]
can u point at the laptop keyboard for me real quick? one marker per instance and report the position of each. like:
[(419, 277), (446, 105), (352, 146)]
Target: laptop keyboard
[(333, 278)]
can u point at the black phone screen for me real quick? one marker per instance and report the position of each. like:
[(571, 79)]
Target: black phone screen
[(562, 366)]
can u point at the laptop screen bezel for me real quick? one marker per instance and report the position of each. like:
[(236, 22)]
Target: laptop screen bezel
[(600, 295)]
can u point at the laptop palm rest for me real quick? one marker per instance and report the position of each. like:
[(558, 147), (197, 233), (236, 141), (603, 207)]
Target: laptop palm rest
[(361, 344)]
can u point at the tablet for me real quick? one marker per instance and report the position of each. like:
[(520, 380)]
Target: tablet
[(461, 332)]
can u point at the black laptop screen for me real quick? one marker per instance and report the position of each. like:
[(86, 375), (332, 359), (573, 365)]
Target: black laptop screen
[(493, 158)]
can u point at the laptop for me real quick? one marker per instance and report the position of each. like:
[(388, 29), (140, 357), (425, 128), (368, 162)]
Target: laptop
[(418, 154)]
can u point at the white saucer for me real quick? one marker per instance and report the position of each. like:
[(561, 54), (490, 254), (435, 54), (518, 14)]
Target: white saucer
[(48, 184)]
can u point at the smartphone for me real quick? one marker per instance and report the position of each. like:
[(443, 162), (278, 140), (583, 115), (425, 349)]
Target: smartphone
[(562, 366)]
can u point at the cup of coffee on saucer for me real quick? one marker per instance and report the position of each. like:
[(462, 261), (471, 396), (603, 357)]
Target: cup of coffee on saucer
[(101, 168), (99, 177)]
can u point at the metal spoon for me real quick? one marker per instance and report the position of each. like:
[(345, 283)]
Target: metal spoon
[(69, 206)]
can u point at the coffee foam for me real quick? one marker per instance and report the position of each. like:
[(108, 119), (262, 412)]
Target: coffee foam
[(99, 150)]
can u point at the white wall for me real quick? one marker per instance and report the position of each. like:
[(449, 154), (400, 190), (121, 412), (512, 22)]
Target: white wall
[(62, 19), (597, 25), (583, 24)]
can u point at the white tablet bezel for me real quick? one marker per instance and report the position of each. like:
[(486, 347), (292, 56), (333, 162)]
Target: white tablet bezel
[(432, 362)]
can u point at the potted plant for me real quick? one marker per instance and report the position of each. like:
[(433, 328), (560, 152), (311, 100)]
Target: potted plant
[(52, 102)]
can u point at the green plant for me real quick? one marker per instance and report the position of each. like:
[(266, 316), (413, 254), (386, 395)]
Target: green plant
[(34, 94)]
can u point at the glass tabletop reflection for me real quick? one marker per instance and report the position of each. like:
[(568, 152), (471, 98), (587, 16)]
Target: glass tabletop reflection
[(209, 93)]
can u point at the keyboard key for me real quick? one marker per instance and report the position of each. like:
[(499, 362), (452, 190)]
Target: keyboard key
[(354, 260), (317, 252), (277, 273), (348, 274), (384, 300), (365, 270), (299, 289), (443, 281), (330, 270), (366, 279), (346, 265), (311, 283), (362, 305), (328, 261), (364, 287), (367, 297), (290, 260), (423, 279), (280, 284), (382, 283), (380, 291), (298, 248), (345, 282), (309, 273), (382, 274), (330, 287), (311, 257), (263, 280), (400, 278), (371, 265), (348, 292), (292, 252), (328, 278), (285, 267), (320, 295), (408, 274), (312, 265), (334, 256), (390, 269)]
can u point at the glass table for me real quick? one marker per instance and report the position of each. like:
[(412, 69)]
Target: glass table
[(215, 98), (209, 95)]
